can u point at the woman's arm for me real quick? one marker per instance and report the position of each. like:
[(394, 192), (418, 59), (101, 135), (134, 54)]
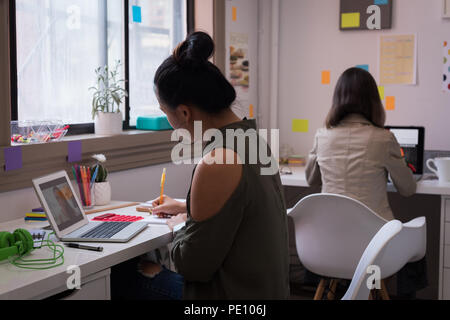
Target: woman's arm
[(401, 175), (201, 247), (313, 175)]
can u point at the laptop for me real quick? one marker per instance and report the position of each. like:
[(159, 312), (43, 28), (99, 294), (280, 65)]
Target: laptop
[(412, 142), (68, 219)]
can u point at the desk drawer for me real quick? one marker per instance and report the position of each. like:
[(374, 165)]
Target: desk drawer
[(447, 210), (447, 233), (96, 288), (446, 285)]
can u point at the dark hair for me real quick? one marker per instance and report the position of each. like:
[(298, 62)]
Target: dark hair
[(356, 92), (187, 77)]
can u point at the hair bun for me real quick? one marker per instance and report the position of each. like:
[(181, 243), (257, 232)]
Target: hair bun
[(198, 47)]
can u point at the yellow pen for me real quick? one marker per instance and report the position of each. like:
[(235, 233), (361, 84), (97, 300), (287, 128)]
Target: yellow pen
[(163, 180)]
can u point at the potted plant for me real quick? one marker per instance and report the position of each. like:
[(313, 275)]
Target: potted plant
[(106, 101), (102, 187)]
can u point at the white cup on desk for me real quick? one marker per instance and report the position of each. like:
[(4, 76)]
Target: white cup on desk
[(441, 169)]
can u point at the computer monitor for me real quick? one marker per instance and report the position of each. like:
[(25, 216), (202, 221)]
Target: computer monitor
[(412, 142)]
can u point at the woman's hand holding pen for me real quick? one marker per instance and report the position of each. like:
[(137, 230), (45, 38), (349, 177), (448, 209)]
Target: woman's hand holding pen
[(169, 206)]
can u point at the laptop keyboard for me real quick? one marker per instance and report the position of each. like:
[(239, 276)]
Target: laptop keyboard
[(106, 230)]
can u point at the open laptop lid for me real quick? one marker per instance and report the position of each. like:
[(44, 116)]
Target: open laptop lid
[(412, 142), (62, 206)]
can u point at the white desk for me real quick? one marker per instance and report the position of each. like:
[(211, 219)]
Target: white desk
[(430, 187), (95, 267)]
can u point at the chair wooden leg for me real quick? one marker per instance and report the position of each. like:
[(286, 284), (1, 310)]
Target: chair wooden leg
[(383, 291), (332, 293), (371, 295), (320, 289)]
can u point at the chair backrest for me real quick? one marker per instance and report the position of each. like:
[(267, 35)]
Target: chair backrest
[(409, 245), (332, 232), (359, 289)]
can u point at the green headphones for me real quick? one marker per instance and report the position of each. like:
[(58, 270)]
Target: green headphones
[(20, 243), (14, 246)]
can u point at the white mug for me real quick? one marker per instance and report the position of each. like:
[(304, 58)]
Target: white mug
[(443, 168)]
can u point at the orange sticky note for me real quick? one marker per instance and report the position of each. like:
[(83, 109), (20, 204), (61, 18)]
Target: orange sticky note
[(234, 10), (326, 77), (390, 103), (251, 111)]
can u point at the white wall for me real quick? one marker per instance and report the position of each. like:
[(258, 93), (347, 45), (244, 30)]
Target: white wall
[(132, 185), (310, 41)]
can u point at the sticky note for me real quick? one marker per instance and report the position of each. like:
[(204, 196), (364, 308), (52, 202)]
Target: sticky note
[(251, 111), (300, 125), (74, 151), (351, 20), (326, 77), (381, 2), (381, 91), (13, 158), (137, 14), (363, 66), (234, 13), (390, 103)]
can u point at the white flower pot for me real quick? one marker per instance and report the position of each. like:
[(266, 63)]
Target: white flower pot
[(108, 123), (102, 193)]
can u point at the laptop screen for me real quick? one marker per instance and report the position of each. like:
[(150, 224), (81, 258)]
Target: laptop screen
[(411, 140), (61, 202)]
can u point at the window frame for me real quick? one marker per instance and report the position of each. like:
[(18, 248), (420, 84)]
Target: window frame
[(85, 128)]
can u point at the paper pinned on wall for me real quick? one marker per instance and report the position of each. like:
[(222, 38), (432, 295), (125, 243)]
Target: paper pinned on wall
[(251, 112), (300, 125), (350, 20), (234, 13), (446, 74), (390, 103), (13, 158), (363, 66), (398, 59), (240, 64), (381, 91), (326, 77)]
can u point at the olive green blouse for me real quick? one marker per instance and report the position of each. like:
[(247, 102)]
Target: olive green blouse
[(242, 252)]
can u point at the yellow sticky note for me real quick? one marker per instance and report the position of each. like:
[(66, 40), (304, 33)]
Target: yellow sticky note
[(300, 125), (351, 20), (326, 77), (381, 91), (251, 111), (234, 10), (390, 103)]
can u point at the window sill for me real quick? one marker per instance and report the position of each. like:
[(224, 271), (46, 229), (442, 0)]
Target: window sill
[(129, 150)]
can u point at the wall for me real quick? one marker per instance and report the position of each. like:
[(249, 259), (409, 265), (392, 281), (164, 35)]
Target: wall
[(132, 185), (310, 41)]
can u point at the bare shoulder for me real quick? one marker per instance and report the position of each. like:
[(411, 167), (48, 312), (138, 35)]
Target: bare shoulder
[(216, 178)]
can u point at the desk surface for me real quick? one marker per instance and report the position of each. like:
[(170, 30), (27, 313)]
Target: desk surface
[(16, 283), (298, 179)]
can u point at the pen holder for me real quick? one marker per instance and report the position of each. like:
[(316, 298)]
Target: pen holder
[(102, 193), (90, 202)]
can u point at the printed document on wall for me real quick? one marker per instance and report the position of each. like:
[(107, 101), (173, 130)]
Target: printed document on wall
[(398, 59)]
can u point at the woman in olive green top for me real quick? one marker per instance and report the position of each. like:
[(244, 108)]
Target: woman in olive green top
[(235, 242)]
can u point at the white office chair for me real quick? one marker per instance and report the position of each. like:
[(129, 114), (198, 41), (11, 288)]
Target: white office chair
[(359, 289), (332, 232)]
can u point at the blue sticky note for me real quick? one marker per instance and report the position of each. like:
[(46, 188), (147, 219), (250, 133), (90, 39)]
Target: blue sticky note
[(13, 158), (74, 151), (137, 14), (363, 66), (381, 2)]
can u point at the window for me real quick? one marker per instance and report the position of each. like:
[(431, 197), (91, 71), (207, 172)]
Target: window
[(59, 44), (151, 42)]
